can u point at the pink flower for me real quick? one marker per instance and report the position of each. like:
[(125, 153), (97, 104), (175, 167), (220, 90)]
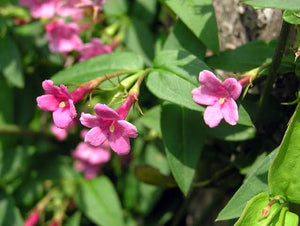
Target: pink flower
[(91, 154), (68, 8), (94, 48), (90, 171), (38, 9), (219, 97), (32, 219), (59, 101), (61, 134), (109, 126), (63, 37)]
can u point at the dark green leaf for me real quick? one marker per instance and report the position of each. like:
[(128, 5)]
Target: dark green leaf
[(151, 119), (98, 200), (277, 4), (199, 17), (145, 10), (140, 40), (255, 182), (10, 62), (243, 58), (153, 176), (74, 220), (183, 139), (181, 38), (231, 133), (98, 66), (284, 171), (14, 163), (9, 213)]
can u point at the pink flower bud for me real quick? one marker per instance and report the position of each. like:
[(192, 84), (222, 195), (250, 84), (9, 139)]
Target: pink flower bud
[(32, 219)]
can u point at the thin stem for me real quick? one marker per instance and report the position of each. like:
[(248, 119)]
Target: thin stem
[(10, 129), (273, 69)]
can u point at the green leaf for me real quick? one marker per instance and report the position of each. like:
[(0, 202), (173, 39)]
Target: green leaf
[(175, 76), (140, 40), (277, 4), (291, 219), (9, 213), (252, 212), (181, 38), (231, 133), (10, 62), (151, 175), (151, 119), (255, 182), (198, 16), (285, 170), (74, 220), (183, 138), (243, 58), (14, 163), (145, 10), (115, 7), (291, 17), (98, 200), (98, 66)]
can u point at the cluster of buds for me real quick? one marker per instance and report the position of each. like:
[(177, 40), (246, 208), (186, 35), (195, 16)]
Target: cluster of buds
[(63, 36), (108, 128)]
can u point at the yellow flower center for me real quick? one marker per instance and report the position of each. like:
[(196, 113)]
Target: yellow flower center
[(112, 128), (62, 104), (222, 100)]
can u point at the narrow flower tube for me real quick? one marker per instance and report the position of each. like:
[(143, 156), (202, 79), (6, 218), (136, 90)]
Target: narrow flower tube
[(32, 219)]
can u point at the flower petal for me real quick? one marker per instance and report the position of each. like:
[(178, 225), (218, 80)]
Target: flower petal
[(129, 129), (62, 118), (105, 112), (209, 79), (230, 111), (89, 120), (95, 136), (72, 109), (49, 87), (233, 87), (213, 115), (204, 96), (47, 102), (119, 143)]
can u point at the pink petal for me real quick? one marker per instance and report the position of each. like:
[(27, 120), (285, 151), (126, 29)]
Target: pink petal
[(204, 96), (233, 87), (127, 128), (213, 115), (62, 118), (72, 109), (89, 120), (209, 79), (47, 102), (119, 143), (49, 87), (105, 112), (230, 111), (95, 136)]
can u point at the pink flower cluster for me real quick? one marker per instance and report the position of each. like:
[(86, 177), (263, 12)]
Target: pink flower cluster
[(108, 129), (219, 97), (64, 37)]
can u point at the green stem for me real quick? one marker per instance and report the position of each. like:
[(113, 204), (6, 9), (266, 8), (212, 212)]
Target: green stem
[(10, 129), (273, 69)]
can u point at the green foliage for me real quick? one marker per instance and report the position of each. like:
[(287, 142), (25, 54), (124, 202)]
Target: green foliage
[(98, 200), (183, 142), (98, 66), (10, 62), (291, 17), (198, 15), (277, 4), (284, 171)]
